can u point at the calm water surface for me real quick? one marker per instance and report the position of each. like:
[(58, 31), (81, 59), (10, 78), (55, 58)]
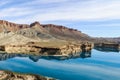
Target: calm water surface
[(96, 65)]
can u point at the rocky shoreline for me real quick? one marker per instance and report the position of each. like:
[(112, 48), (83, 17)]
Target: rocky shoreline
[(7, 75)]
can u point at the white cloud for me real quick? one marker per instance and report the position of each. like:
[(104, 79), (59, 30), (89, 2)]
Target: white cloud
[(14, 12), (45, 10)]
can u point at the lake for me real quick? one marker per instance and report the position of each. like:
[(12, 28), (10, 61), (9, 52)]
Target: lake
[(94, 65)]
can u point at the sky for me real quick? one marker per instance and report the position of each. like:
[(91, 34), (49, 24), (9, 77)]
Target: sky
[(97, 18)]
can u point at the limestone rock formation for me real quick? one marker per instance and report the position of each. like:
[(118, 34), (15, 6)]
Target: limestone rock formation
[(39, 49)]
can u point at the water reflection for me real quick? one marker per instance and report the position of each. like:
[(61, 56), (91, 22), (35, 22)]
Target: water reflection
[(36, 58), (100, 66)]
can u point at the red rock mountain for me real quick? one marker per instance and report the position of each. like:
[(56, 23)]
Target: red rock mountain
[(63, 32), (49, 30), (8, 26)]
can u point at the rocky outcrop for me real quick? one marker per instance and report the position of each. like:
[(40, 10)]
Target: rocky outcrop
[(22, 49), (33, 48), (6, 26), (7, 75)]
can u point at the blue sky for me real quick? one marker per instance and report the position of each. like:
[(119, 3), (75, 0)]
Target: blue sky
[(98, 18)]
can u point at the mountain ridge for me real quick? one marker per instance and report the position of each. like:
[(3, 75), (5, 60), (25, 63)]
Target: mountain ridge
[(48, 32), (51, 30)]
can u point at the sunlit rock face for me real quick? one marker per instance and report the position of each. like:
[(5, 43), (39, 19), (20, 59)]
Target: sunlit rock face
[(45, 50)]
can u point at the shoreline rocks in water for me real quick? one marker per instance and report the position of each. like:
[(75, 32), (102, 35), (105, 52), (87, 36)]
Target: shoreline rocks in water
[(47, 49), (7, 75)]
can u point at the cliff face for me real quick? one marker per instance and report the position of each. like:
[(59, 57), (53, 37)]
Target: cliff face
[(34, 48), (63, 32), (8, 26)]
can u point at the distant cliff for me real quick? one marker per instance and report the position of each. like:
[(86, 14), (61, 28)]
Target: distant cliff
[(107, 40)]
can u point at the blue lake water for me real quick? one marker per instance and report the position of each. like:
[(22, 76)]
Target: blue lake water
[(96, 65)]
